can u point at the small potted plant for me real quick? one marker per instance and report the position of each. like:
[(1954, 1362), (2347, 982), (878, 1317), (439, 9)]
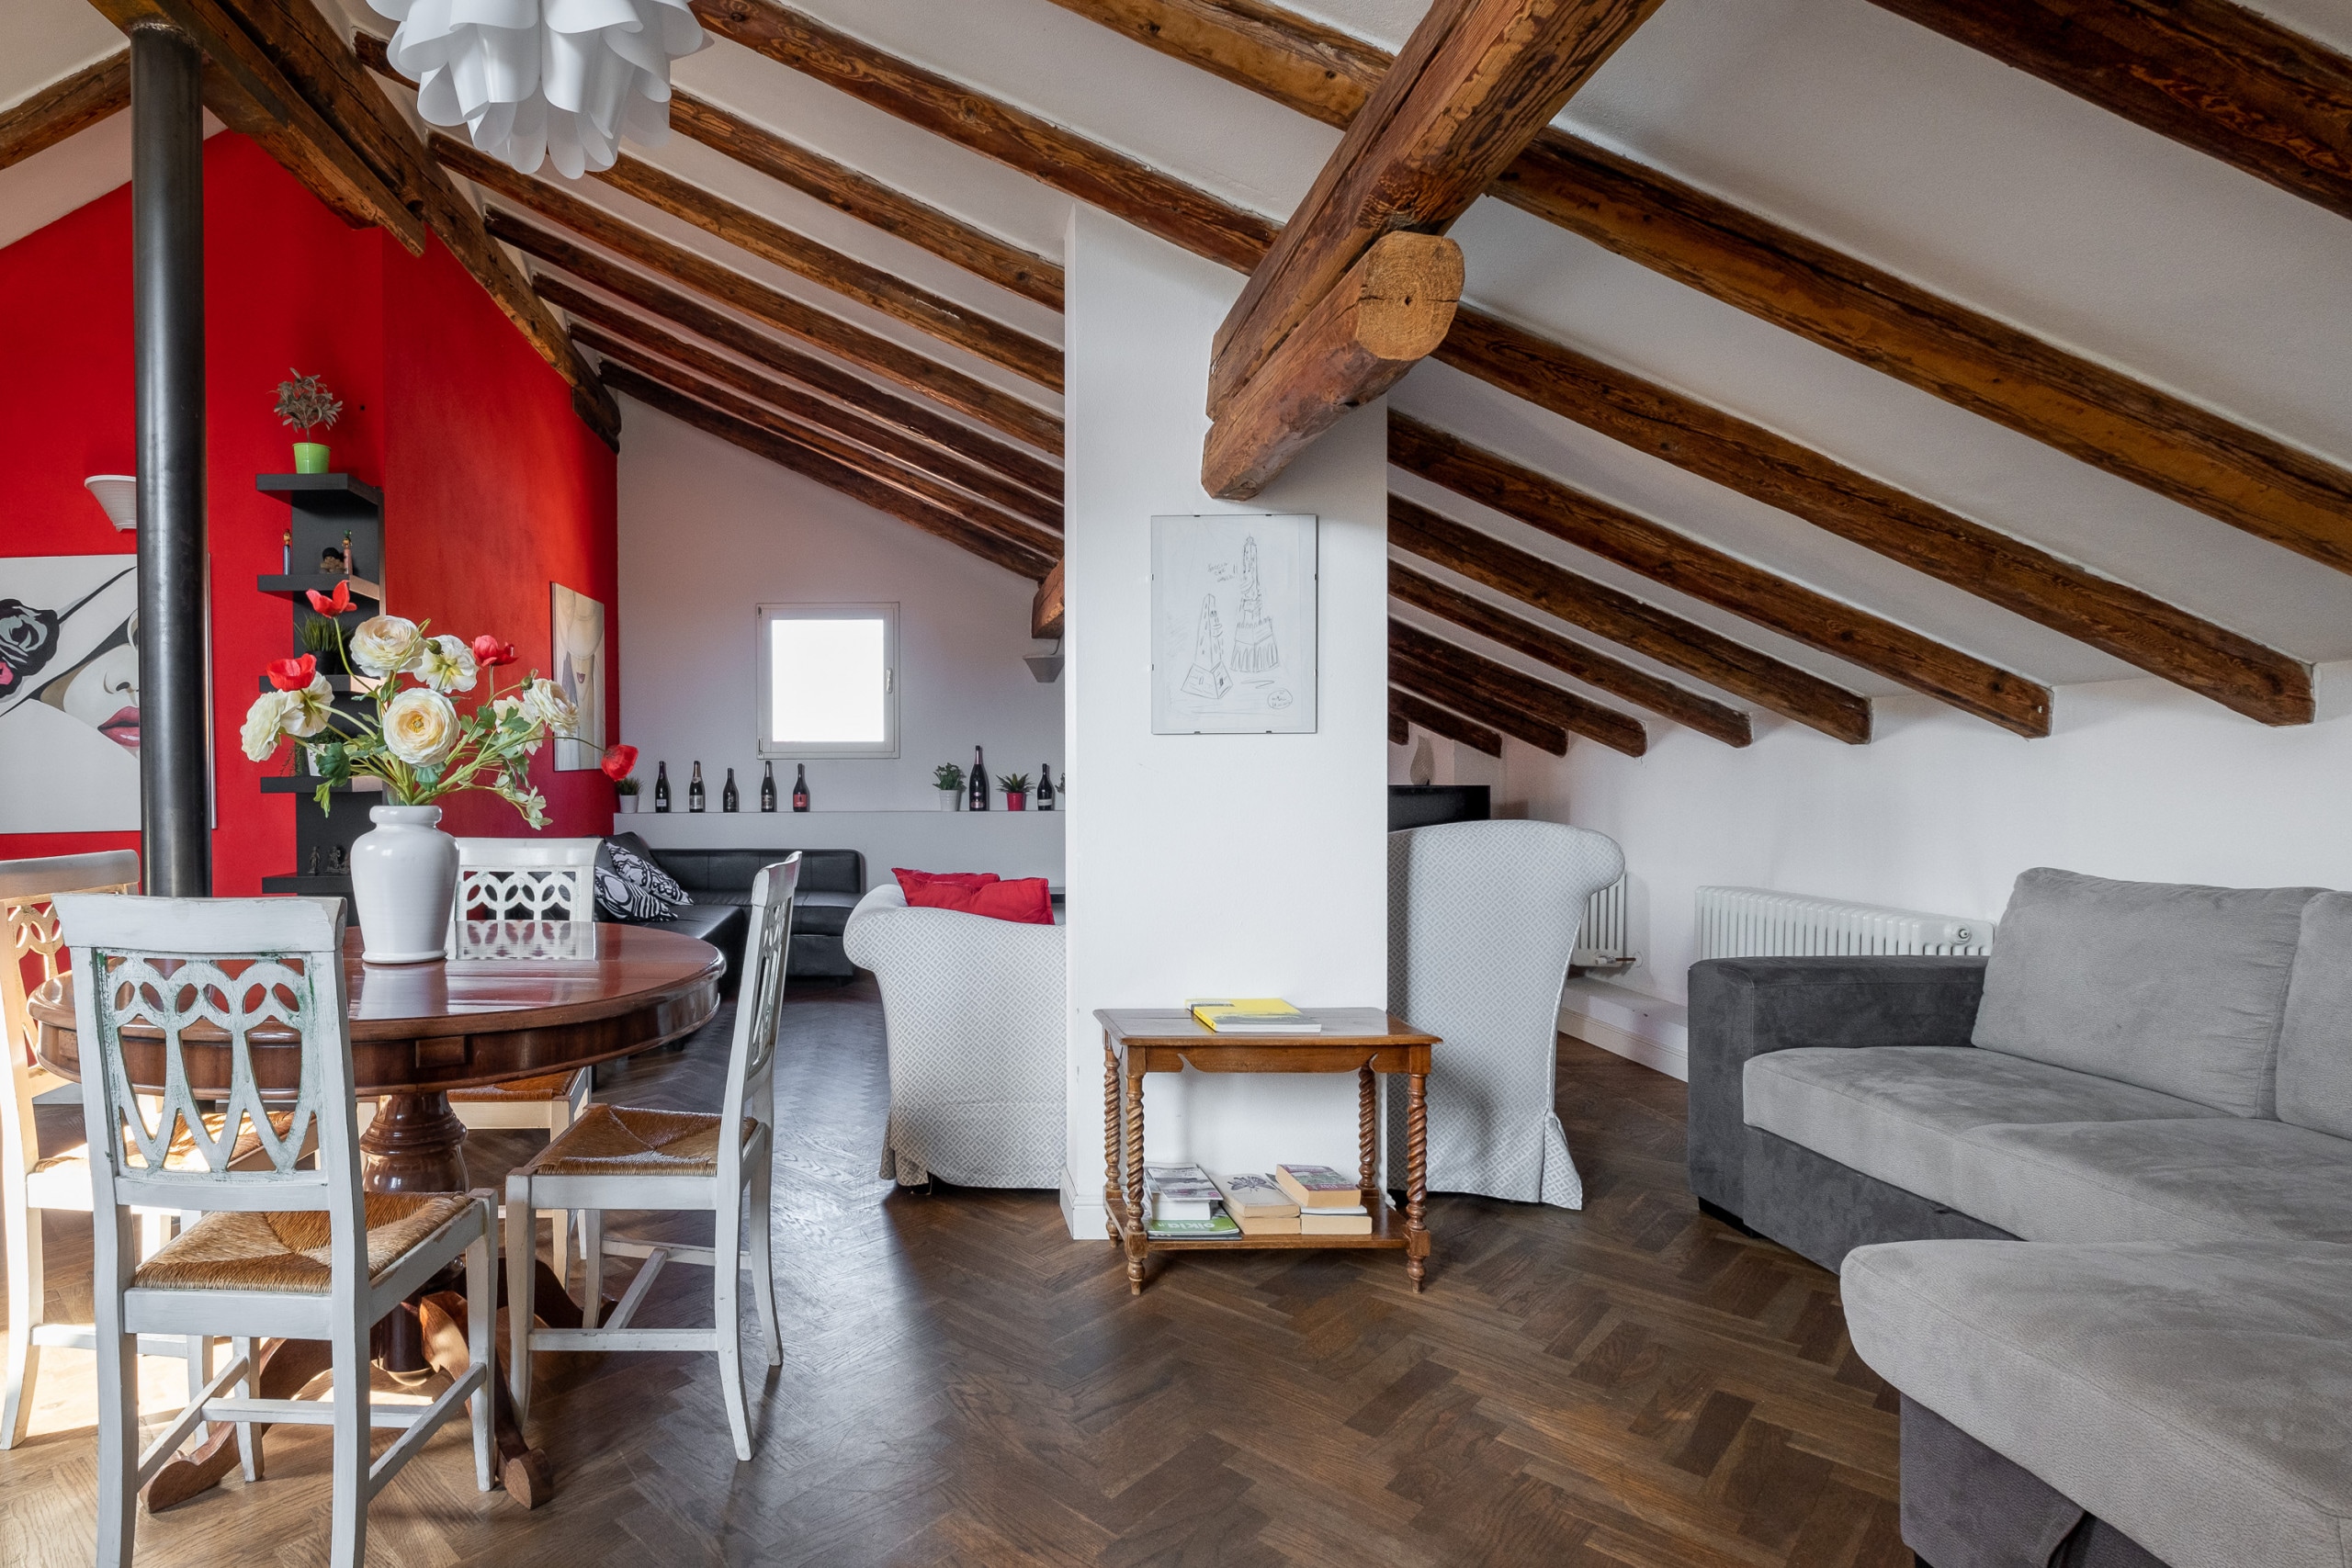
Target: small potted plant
[(620, 765), (950, 780), (1016, 790), (306, 404)]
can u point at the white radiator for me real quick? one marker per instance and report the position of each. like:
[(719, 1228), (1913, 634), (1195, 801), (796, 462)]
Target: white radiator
[(1753, 923), (1600, 940)]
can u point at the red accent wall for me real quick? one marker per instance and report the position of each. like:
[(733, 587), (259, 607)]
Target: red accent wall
[(492, 486)]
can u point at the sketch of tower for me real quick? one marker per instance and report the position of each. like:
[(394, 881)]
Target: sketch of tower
[(1254, 650), (1207, 677)]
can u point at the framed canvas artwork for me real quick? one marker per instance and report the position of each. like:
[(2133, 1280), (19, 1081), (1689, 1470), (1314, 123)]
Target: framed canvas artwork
[(69, 694), (1233, 636), (578, 648)]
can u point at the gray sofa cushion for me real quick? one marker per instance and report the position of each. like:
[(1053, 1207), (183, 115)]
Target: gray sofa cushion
[(1901, 1113), (2172, 987), (2316, 1043), (2196, 1396), (2209, 1180)]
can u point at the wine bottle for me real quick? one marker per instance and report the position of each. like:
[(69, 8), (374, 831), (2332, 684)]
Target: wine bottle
[(660, 786), (977, 800), (694, 789), (800, 788), (727, 799), (1044, 787), (767, 788)]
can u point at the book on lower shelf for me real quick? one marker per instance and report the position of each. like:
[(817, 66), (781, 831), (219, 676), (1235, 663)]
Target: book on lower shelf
[(1181, 1193), (1258, 1204), (1218, 1227), (1319, 1186), (1335, 1222), (1249, 1015)]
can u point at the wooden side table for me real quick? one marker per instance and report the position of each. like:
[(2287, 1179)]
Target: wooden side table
[(1364, 1041)]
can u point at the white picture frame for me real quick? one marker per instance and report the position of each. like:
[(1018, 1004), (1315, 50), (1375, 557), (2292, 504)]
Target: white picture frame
[(1233, 623), (576, 645)]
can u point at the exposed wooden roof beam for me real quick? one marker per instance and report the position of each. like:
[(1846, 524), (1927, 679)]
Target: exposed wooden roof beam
[(1696, 650), (1405, 708), (2137, 627), (1540, 700), (1022, 420), (48, 115), (2100, 415), (825, 376), (788, 451), (1046, 609), (1704, 715), (1467, 695), (2216, 76)]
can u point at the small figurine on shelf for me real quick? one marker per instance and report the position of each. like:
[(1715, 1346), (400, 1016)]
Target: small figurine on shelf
[(338, 861), (315, 860), (349, 570), (305, 403), (331, 563), (285, 554)]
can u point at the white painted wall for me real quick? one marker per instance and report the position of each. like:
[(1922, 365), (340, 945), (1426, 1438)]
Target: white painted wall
[(708, 532), (2140, 780), (1203, 864)]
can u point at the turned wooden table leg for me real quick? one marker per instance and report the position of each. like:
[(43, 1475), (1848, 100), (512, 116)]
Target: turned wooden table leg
[(524, 1471), (1131, 1173), (1417, 1164), (1368, 1138), (1114, 1154)]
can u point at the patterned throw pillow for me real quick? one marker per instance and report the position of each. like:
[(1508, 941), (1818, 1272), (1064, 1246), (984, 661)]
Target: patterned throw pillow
[(630, 886)]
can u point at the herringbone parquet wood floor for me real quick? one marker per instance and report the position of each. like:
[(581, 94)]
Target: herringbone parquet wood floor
[(963, 1384)]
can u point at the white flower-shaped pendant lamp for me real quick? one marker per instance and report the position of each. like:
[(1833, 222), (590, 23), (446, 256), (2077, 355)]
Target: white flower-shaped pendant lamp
[(539, 79)]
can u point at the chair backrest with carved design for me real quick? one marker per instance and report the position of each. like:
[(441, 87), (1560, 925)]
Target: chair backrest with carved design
[(29, 940), (251, 990), (751, 1061), (526, 879)]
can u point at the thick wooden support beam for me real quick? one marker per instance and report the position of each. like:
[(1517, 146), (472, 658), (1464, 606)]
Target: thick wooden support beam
[(1045, 610), (1704, 715), (825, 376), (1537, 699), (1290, 58), (2137, 627), (868, 200), (1684, 564), (1023, 421), (2216, 76), (48, 115), (617, 335), (1474, 83), (1405, 709), (786, 452), (1465, 697), (1390, 312), (1697, 651), (309, 49), (1096, 175)]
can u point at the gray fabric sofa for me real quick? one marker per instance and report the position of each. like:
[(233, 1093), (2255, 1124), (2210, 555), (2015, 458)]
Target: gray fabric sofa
[(2092, 1200)]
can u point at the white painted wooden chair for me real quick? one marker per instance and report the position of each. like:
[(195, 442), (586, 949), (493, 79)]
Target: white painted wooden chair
[(619, 1158), (288, 1247), (29, 1183)]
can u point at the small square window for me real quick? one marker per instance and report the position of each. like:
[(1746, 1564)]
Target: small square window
[(828, 684)]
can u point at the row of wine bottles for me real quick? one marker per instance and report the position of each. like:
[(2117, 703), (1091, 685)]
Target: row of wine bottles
[(730, 799), (1015, 786)]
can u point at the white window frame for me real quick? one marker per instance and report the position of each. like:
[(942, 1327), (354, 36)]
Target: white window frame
[(764, 663)]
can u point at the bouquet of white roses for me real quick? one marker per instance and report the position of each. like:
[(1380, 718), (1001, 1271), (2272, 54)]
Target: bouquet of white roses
[(416, 742)]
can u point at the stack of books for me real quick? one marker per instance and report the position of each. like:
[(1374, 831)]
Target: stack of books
[(1329, 1202), (1250, 1015), (1259, 1205), (1180, 1204)]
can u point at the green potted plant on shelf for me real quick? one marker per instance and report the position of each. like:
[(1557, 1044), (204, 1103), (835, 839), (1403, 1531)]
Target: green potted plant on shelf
[(950, 780), (1016, 790), (620, 765), (306, 404)]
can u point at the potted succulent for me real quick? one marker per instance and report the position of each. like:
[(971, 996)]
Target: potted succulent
[(950, 780), (620, 765), (306, 404), (1016, 790)]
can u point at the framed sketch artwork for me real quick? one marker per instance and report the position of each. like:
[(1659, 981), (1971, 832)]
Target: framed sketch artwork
[(1233, 633), (577, 645)]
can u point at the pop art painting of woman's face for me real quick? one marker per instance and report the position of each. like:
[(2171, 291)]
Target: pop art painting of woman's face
[(69, 694)]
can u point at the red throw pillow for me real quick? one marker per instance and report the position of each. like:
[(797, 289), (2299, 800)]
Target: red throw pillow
[(912, 882), (1024, 900)]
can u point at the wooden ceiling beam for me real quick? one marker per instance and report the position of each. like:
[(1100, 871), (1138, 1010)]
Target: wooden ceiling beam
[(1539, 699), (48, 114), (2212, 75), (1293, 60), (1682, 563), (1706, 716), (786, 451), (615, 333), (1695, 651), (1485, 706), (1023, 421), (2137, 627), (1046, 609), (826, 375), (1406, 709)]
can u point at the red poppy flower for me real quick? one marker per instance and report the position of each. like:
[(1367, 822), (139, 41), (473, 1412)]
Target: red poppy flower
[(333, 603), (618, 762), (488, 651), (293, 674)]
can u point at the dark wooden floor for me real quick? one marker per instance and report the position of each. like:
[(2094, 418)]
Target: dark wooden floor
[(963, 1384)]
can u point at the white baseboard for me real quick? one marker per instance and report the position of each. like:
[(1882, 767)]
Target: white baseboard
[(1627, 1024), (1083, 1212)]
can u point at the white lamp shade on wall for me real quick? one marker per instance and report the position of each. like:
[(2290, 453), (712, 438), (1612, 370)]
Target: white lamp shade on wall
[(119, 493), (533, 80)]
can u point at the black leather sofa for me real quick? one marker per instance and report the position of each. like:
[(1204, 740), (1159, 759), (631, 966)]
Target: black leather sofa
[(831, 882)]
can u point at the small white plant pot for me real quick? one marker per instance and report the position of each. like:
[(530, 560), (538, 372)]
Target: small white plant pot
[(404, 881), (628, 803), (951, 800)]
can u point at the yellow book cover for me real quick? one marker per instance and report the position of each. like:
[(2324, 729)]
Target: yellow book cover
[(1250, 1015)]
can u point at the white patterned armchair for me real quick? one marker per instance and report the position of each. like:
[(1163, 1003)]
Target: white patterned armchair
[(974, 1014), (1482, 918)]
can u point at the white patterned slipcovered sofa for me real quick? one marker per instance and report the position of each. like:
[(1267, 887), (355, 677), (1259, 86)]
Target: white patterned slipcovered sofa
[(973, 1009)]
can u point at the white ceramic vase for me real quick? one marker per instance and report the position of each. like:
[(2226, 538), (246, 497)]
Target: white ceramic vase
[(403, 879)]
